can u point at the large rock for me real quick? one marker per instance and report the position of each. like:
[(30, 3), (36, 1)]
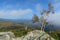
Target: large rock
[(33, 35), (6, 36), (36, 35)]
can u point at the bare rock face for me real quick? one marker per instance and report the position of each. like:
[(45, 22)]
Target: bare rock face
[(33, 35), (36, 35), (6, 36)]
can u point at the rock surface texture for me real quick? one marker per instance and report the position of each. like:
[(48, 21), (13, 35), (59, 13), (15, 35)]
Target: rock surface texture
[(33, 35), (36, 35), (6, 36)]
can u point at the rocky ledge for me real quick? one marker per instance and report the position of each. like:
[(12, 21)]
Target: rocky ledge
[(33, 35)]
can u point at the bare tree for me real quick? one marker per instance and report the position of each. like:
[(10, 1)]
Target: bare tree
[(44, 15)]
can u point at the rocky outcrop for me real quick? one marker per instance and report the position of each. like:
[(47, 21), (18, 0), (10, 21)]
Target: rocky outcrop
[(33, 35), (36, 35), (7, 36)]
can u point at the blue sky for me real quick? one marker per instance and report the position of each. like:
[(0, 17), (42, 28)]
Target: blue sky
[(25, 9)]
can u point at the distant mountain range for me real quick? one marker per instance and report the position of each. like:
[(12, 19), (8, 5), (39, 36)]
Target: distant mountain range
[(29, 22)]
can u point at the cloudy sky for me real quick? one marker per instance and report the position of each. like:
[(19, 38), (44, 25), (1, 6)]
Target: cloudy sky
[(25, 9)]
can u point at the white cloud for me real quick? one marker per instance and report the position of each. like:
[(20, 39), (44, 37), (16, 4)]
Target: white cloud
[(55, 0), (8, 6), (57, 3), (15, 12), (38, 6), (55, 18), (21, 12)]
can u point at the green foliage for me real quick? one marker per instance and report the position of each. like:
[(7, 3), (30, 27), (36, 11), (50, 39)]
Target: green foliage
[(19, 33), (35, 18), (54, 35), (17, 29)]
